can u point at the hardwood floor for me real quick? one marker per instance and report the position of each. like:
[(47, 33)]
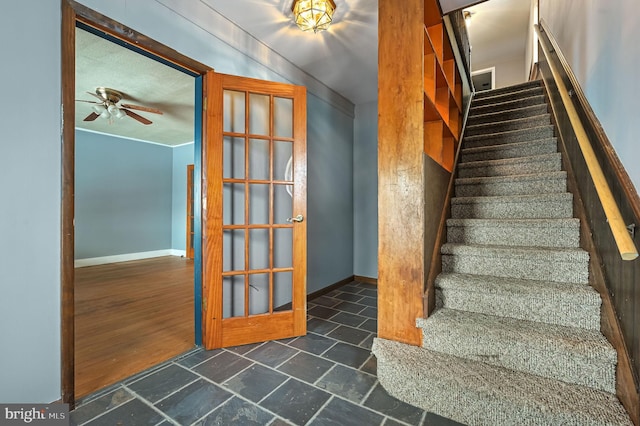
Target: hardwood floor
[(129, 317)]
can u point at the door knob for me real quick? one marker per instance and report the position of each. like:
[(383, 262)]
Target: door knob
[(298, 218)]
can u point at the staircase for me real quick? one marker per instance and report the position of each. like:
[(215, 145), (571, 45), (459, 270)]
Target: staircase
[(515, 338)]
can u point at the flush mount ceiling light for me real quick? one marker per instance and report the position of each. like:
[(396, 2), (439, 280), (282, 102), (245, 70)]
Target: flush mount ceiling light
[(313, 15), (467, 14)]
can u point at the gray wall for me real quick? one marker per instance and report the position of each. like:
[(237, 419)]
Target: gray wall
[(365, 191), (182, 155), (122, 196), (600, 41), (30, 168), (509, 71), (30, 210)]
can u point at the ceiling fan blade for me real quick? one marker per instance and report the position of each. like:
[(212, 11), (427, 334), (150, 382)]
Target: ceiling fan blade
[(91, 117), (136, 116), (141, 108), (96, 96), (91, 102)]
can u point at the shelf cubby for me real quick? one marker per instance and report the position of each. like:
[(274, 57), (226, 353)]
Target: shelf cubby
[(442, 90)]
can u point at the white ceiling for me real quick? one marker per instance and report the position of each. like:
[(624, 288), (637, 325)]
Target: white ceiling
[(498, 31), (344, 58)]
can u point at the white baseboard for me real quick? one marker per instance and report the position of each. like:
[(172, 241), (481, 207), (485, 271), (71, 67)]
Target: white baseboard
[(92, 261)]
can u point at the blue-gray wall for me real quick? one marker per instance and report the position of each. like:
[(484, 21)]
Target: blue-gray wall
[(182, 156), (600, 41), (30, 167), (122, 196), (365, 191), (330, 195), (30, 207)]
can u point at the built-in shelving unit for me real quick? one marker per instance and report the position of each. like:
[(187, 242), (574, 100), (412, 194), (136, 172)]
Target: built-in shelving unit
[(442, 90), (419, 104)]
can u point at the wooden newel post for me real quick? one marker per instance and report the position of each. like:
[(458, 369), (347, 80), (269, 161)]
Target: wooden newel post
[(401, 165)]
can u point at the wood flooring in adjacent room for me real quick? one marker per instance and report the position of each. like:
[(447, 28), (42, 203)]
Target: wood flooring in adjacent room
[(130, 316)]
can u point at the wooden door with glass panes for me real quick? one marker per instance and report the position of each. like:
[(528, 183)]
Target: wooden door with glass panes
[(254, 227)]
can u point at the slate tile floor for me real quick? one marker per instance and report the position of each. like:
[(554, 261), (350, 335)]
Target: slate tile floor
[(327, 377)]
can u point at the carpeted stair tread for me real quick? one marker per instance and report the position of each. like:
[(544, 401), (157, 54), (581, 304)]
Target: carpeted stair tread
[(511, 166), (510, 136), (564, 232), (535, 84), (560, 303), (503, 126), (511, 114), (498, 98), (573, 355), (540, 206), (528, 184), (558, 264), (476, 393), (509, 150), (507, 105)]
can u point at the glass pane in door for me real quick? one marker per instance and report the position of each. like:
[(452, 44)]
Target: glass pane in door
[(283, 117), (233, 289)]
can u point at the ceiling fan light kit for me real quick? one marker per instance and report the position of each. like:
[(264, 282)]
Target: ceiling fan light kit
[(107, 107), (313, 15)]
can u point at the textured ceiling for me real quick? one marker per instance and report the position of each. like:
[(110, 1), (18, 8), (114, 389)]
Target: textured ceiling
[(142, 81)]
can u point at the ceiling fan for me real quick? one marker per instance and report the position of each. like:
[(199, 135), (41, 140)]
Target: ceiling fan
[(108, 107)]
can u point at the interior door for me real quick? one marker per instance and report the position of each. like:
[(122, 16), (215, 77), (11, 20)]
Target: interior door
[(254, 230)]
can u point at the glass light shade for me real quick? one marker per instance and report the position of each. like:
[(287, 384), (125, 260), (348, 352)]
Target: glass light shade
[(115, 111), (99, 108), (313, 15)]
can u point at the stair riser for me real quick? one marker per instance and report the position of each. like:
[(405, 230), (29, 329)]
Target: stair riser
[(523, 356), (513, 114), (506, 106), (467, 170), (544, 308), (510, 151), (515, 236), (525, 135), (483, 129), (514, 210), (547, 267), (512, 188)]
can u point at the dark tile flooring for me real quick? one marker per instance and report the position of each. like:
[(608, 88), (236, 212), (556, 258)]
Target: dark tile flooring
[(327, 377)]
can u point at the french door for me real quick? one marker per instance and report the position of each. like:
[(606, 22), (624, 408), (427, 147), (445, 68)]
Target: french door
[(254, 211)]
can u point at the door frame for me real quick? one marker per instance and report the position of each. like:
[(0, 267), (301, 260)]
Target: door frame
[(72, 13), (491, 71)]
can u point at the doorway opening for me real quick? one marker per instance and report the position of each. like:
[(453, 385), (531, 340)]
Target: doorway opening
[(186, 274), (484, 79), (133, 283)]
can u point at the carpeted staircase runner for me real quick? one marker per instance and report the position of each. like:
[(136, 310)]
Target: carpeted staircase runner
[(515, 338)]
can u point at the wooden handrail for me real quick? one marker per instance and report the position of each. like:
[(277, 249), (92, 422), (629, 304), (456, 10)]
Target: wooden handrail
[(621, 235)]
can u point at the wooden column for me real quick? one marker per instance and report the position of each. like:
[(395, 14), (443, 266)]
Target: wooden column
[(401, 199)]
